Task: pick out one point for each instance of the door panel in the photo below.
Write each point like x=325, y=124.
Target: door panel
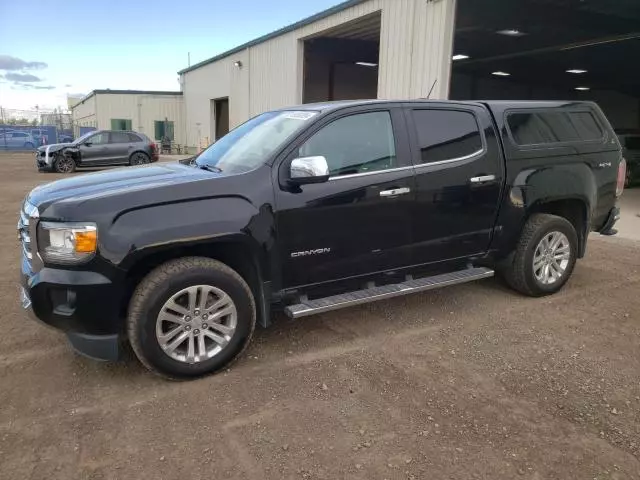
x=98, y=152
x=459, y=176
x=359, y=221
x=119, y=147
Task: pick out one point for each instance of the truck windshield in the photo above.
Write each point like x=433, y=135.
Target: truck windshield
x=248, y=146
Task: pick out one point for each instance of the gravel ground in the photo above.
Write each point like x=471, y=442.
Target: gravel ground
x=472, y=381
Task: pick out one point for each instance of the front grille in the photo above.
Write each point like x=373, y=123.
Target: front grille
x=26, y=230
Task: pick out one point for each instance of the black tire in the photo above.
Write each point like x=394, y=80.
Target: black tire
x=63, y=164
x=159, y=286
x=518, y=271
x=29, y=145
x=139, y=158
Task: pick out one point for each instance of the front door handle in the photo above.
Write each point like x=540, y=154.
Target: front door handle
x=395, y=192
x=482, y=179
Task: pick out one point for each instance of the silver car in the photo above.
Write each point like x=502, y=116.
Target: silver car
x=17, y=140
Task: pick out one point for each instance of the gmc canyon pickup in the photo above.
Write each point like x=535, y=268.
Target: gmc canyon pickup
x=314, y=208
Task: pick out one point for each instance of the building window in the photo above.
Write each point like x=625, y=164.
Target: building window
x=120, y=124
x=162, y=128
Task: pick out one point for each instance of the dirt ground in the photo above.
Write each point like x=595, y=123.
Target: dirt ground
x=472, y=381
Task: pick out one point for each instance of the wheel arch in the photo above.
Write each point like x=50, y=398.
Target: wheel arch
x=234, y=251
x=139, y=150
x=574, y=209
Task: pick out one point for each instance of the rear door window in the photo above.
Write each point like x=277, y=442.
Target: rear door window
x=119, y=137
x=446, y=134
x=134, y=138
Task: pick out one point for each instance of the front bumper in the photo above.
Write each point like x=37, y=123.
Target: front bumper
x=42, y=163
x=83, y=304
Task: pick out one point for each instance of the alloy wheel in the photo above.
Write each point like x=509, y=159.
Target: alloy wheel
x=64, y=164
x=551, y=258
x=196, y=323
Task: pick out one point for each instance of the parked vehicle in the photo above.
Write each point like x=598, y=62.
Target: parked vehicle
x=97, y=148
x=315, y=208
x=16, y=140
x=630, y=141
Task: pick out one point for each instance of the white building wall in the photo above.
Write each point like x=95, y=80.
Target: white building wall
x=84, y=115
x=142, y=110
x=213, y=81
x=416, y=43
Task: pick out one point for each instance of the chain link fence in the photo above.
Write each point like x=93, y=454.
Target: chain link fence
x=29, y=129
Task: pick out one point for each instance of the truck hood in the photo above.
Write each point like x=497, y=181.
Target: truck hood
x=100, y=186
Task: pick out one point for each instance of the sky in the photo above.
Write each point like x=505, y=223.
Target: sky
x=50, y=48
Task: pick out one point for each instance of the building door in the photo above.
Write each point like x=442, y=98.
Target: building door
x=221, y=115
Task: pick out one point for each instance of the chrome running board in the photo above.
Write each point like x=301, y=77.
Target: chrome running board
x=358, y=297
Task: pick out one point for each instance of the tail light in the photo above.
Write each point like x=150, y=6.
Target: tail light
x=622, y=177
x=154, y=148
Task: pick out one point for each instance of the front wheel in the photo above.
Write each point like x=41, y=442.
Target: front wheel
x=190, y=317
x=545, y=256
x=64, y=164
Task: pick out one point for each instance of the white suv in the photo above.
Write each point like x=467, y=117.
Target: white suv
x=17, y=140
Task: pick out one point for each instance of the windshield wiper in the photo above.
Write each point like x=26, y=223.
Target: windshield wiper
x=209, y=168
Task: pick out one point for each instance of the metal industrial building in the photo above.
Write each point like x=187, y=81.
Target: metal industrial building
x=409, y=39
x=460, y=49
x=148, y=112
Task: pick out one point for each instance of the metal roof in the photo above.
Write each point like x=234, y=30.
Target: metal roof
x=269, y=36
x=108, y=91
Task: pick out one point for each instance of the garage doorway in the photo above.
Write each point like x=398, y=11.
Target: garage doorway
x=221, y=117
x=342, y=63
x=550, y=50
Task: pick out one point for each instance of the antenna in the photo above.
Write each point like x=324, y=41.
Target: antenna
x=432, y=87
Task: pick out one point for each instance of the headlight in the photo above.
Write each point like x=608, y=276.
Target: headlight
x=67, y=243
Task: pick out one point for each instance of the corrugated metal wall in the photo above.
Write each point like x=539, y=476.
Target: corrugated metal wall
x=415, y=55
x=215, y=80
x=142, y=110
x=416, y=43
x=84, y=115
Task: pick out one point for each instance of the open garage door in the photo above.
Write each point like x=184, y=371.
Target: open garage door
x=551, y=49
x=342, y=63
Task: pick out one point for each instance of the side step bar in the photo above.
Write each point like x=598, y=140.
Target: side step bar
x=320, y=305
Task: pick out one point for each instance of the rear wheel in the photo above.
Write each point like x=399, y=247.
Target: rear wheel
x=545, y=256
x=139, y=158
x=190, y=317
x=63, y=164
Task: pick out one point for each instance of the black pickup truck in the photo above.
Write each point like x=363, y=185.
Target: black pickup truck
x=314, y=208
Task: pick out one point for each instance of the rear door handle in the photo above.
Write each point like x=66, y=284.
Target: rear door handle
x=482, y=179
x=395, y=192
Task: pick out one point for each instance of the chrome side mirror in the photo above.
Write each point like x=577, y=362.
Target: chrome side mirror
x=309, y=170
